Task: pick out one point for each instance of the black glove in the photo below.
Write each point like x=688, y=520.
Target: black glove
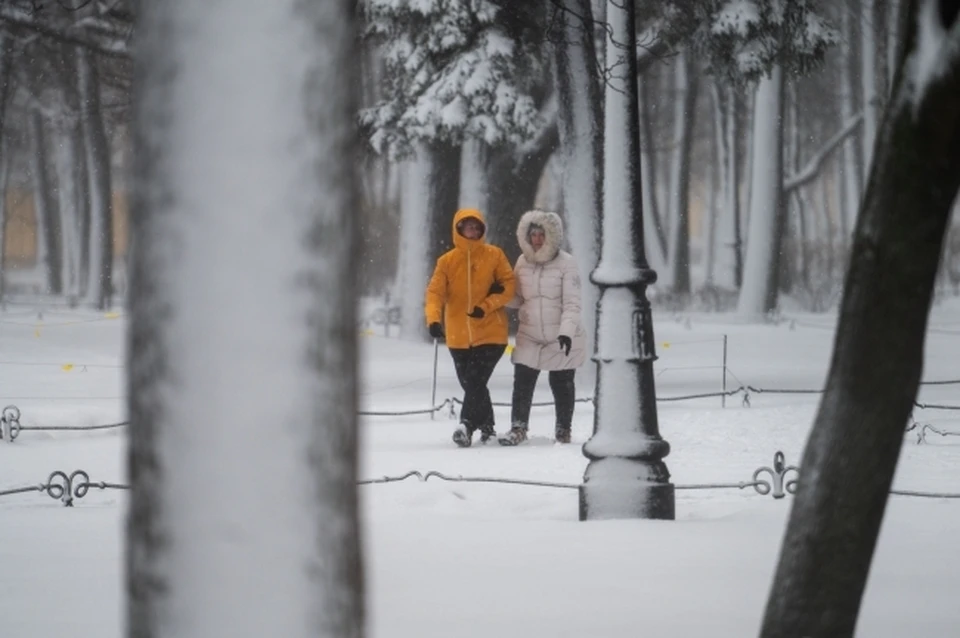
x=436, y=330
x=477, y=313
x=495, y=288
x=565, y=344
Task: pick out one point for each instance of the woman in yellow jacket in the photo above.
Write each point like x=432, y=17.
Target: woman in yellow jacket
x=469, y=288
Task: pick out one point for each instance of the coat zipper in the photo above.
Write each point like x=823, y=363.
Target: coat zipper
x=469, y=298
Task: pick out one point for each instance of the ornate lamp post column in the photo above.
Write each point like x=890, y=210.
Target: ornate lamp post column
x=626, y=476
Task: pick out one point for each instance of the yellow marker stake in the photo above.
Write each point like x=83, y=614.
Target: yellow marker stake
x=67, y=367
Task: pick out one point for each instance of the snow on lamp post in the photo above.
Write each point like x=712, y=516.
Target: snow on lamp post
x=626, y=476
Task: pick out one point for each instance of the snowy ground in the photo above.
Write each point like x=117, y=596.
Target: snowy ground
x=466, y=559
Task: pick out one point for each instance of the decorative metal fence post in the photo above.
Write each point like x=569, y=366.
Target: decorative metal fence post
x=723, y=384
x=626, y=476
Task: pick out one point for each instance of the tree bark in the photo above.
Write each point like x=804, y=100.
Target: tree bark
x=653, y=219
x=684, y=119
x=758, y=296
x=46, y=214
x=514, y=175
x=851, y=456
x=580, y=129
x=852, y=162
x=6, y=64
x=430, y=196
x=242, y=317
x=732, y=175
x=868, y=78
x=100, y=280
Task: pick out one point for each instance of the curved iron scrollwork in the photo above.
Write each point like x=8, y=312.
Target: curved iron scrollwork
x=10, y=423
x=777, y=486
x=67, y=488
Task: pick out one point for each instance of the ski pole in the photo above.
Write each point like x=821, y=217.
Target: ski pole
x=433, y=395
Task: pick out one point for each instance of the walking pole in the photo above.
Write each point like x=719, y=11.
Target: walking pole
x=433, y=395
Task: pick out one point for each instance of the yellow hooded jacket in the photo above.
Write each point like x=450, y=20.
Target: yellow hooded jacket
x=461, y=280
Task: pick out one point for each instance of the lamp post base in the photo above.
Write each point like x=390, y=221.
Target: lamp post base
x=604, y=500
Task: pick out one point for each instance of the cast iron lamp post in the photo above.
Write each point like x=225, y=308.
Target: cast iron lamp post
x=626, y=476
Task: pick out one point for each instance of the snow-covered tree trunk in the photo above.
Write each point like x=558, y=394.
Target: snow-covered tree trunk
x=4, y=180
x=100, y=279
x=758, y=296
x=242, y=361
x=65, y=156
x=851, y=455
x=716, y=191
x=797, y=203
x=46, y=215
x=829, y=231
x=474, y=175
x=413, y=269
x=868, y=79
x=579, y=122
x=428, y=201
x=852, y=157
x=654, y=227
x=893, y=44
x=685, y=113
x=732, y=178
x=514, y=175
x=6, y=65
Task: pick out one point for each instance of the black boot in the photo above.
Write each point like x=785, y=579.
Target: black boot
x=487, y=432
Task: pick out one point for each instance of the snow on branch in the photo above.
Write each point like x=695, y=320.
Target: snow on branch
x=937, y=49
x=809, y=172
x=98, y=33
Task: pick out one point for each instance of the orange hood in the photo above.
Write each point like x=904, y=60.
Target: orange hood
x=459, y=240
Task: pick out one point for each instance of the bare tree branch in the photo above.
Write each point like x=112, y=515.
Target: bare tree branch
x=812, y=169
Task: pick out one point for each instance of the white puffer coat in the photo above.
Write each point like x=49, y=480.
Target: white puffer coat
x=548, y=297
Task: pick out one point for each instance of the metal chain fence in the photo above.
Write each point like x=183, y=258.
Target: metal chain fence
x=11, y=427
x=776, y=481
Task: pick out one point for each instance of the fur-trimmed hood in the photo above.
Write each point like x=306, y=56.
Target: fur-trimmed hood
x=552, y=229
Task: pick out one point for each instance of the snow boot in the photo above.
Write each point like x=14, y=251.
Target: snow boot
x=562, y=434
x=487, y=432
x=515, y=436
x=463, y=435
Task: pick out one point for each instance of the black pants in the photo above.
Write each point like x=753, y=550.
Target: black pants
x=525, y=381
x=474, y=367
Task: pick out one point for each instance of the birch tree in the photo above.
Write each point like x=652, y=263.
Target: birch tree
x=851, y=456
x=242, y=340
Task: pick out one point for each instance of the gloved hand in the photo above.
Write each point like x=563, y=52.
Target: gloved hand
x=495, y=288
x=436, y=330
x=565, y=344
x=477, y=313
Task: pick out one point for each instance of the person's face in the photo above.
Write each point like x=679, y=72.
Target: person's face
x=537, y=238
x=471, y=228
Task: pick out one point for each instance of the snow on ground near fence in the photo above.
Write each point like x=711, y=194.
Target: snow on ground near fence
x=465, y=559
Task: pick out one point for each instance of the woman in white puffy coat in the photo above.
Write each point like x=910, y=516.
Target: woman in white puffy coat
x=551, y=336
